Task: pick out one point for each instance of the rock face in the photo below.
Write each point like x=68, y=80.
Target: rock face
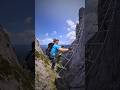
x=91, y=18
x=103, y=49
x=37, y=46
x=44, y=76
x=74, y=76
x=6, y=50
x=12, y=76
x=30, y=60
x=77, y=64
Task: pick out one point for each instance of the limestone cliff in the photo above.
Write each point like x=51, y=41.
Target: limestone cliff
x=37, y=46
x=103, y=49
x=44, y=76
x=12, y=75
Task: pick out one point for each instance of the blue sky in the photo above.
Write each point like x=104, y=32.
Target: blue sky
x=18, y=18
x=56, y=19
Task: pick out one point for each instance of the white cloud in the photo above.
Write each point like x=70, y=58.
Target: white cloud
x=54, y=32
x=71, y=25
x=45, y=41
x=71, y=35
x=61, y=36
x=68, y=29
x=46, y=34
x=62, y=42
x=77, y=22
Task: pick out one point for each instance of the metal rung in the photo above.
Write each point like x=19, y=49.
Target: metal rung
x=102, y=31
x=91, y=44
x=77, y=87
x=89, y=61
x=94, y=43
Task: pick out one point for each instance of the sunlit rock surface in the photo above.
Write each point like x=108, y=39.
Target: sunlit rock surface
x=37, y=46
x=44, y=76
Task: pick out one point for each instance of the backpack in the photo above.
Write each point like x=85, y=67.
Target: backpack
x=50, y=45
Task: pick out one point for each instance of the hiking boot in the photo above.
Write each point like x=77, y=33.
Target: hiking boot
x=58, y=76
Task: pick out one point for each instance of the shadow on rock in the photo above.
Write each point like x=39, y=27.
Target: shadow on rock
x=60, y=84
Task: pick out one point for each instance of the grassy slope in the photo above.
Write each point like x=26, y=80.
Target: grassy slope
x=52, y=75
x=10, y=71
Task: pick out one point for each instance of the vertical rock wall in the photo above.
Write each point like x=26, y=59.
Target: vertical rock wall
x=12, y=75
x=103, y=49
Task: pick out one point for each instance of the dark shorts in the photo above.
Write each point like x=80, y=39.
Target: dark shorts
x=53, y=60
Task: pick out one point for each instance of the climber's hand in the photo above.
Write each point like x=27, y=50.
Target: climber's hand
x=70, y=49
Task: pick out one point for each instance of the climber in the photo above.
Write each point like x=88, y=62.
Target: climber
x=59, y=55
x=54, y=52
x=59, y=59
x=50, y=45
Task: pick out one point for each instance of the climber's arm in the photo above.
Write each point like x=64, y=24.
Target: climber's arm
x=63, y=49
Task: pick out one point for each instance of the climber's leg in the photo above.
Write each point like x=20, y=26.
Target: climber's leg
x=53, y=63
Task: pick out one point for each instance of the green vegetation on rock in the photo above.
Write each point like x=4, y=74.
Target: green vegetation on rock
x=47, y=77
x=42, y=57
x=10, y=71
